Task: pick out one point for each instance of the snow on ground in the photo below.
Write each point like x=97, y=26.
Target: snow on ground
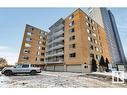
x=55, y=79
x=109, y=74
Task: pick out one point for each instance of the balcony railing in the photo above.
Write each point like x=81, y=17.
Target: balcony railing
x=56, y=40
x=55, y=61
x=58, y=33
x=55, y=47
x=55, y=54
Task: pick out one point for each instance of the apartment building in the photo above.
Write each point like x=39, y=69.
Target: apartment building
x=105, y=19
x=33, y=46
x=55, y=44
x=70, y=45
x=82, y=38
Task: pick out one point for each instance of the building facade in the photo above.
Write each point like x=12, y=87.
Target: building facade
x=82, y=40
x=33, y=46
x=55, y=43
x=70, y=45
x=105, y=19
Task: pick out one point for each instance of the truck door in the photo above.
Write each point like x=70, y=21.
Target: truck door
x=25, y=68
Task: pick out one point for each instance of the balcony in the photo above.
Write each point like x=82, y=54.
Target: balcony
x=55, y=34
x=58, y=33
x=54, y=61
x=56, y=40
x=55, y=47
x=58, y=53
x=55, y=54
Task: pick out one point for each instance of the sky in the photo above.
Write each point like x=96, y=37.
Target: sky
x=13, y=21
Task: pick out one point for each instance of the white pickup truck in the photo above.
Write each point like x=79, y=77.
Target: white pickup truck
x=21, y=69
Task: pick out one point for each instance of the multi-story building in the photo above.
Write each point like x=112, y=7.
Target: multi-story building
x=33, y=46
x=105, y=19
x=55, y=43
x=70, y=45
x=82, y=39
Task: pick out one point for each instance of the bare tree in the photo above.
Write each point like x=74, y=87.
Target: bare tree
x=3, y=62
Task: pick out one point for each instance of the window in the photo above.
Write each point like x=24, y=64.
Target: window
x=28, y=39
x=27, y=45
x=96, y=49
x=92, y=21
x=26, y=51
x=44, y=38
x=39, y=47
x=29, y=34
x=88, y=31
x=94, y=34
x=43, y=43
x=41, y=59
x=90, y=39
x=41, y=32
x=97, y=57
x=93, y=27
x=25, y=66
x=37, y=59
x=32, y=29
x=92, y=56
x=40, y=37
x=88, y=24
x=71, y=24
x=38, y=53
x=72, y=16
x=72, y=55
x=95, y=41
x=87, y=18
x=72, y=46
x=91, y=46
x=43, y=48
x=72, y=38
x=26, y=57
x=40, y=42
x=45, y=33
x=72, y=30
x=42, y=54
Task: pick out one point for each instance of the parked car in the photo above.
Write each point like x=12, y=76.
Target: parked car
x=21, y=69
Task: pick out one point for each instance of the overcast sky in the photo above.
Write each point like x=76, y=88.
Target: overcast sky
x=13, y=21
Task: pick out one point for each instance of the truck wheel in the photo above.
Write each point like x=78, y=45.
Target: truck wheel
x=33, y=72
x=8, y=73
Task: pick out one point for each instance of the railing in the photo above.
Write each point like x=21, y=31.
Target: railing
x=55, y=54
x=57, y=33
x=55, y=47
x=56, y=40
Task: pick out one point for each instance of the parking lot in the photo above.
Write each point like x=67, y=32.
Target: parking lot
x=55, y=79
